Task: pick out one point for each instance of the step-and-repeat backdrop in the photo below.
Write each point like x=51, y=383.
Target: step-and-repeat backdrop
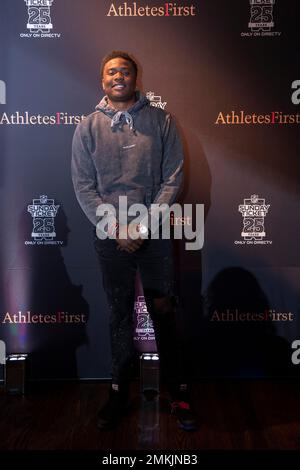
x=229, y=73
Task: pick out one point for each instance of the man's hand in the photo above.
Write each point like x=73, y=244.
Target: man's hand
x=128, y=238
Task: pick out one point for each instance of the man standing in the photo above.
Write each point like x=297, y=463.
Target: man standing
x=129, y=148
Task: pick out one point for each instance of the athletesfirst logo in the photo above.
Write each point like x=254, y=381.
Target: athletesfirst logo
x=254, y=211
x=28, y=318
x=243, y=118
x=261, y=21
x=144, y=328
x=27, y=119
x=236, y=315
x=43, y=212
x=165, y=9
x=39, y=22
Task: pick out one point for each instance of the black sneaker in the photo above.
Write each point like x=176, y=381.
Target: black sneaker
x=114, y=409
x=186, y=417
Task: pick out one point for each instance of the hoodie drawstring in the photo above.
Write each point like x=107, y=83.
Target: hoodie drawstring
x=117, y=119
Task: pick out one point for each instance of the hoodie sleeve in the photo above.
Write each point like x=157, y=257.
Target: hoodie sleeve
x=171, y=170
x=84, y=176
x=172, y=164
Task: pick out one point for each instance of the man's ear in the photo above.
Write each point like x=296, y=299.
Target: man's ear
x=102, y=84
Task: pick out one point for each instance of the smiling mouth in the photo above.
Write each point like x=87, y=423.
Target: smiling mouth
x=119, y=87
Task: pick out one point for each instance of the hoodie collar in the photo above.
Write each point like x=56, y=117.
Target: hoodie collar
x=117, y=116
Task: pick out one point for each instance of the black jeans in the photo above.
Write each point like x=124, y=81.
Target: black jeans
x=155, y=263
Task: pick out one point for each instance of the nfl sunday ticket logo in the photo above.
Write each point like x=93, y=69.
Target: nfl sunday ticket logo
x=261, y=21
x=155, y=100
x=144, y=328
x=39, y=22
x=254, y=211
x=43, y=212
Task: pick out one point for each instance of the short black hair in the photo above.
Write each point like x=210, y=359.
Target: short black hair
x=114, y=55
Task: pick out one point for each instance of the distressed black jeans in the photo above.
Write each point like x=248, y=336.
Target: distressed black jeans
x=155, y=263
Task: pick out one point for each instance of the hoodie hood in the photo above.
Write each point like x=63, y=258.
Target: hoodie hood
x=118, y=118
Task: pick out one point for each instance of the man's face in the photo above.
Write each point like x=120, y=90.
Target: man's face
x=119, y=80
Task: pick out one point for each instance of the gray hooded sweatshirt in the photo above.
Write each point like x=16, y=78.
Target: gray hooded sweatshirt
x=135, y=153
